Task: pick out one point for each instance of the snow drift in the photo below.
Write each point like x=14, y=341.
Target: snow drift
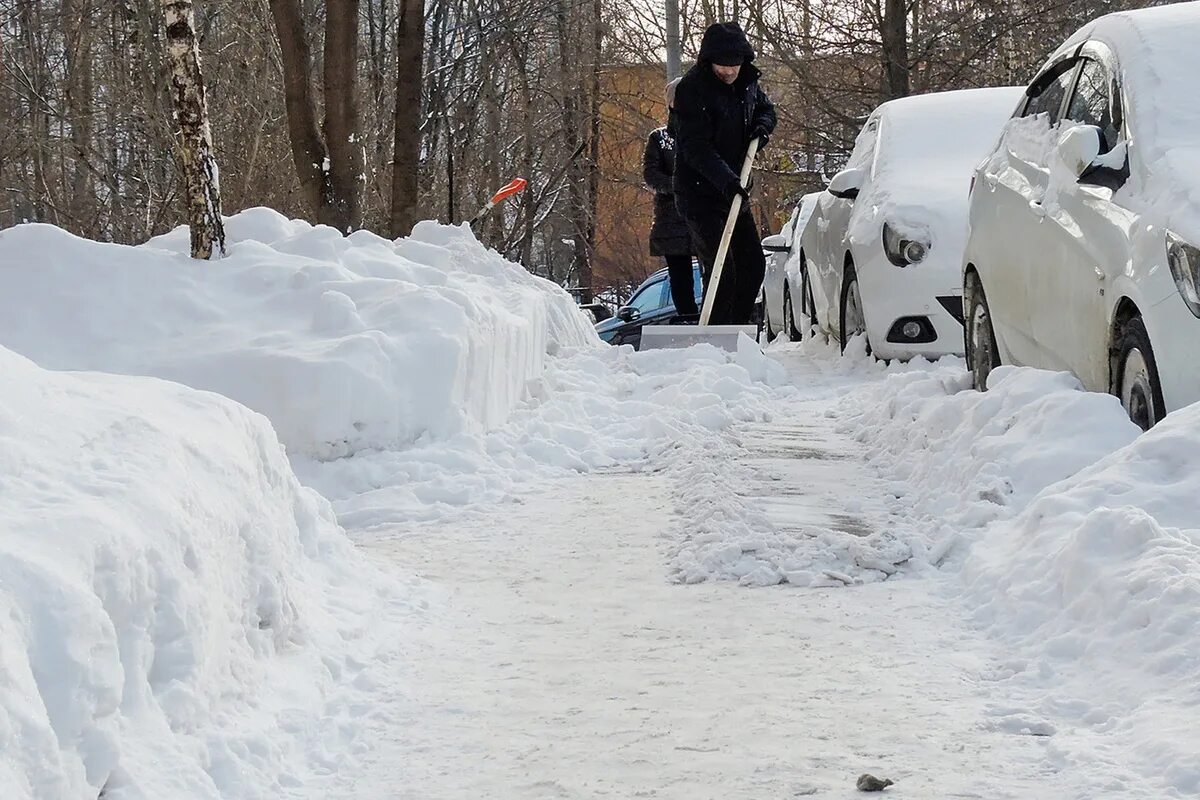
x=1099, y=582
x=968, y=458
x=174, y=606
x=1084, y=556
x=345, y=343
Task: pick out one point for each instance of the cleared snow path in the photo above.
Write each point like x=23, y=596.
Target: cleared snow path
x=559, y=661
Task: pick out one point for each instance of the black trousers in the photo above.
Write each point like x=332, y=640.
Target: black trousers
x=683, y=284
x=745, y=265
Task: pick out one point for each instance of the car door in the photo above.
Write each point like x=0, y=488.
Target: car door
x=1010, y=224
x=1086, y=233
x=651, y=303
x=834, y=226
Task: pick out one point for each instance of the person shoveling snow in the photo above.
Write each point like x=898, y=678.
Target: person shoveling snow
x=723, y=117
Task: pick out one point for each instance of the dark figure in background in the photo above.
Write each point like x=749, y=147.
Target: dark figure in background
x=669, y=237
x=719, y=110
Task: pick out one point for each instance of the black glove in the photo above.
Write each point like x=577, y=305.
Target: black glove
x=736, y=188
x=760, y=133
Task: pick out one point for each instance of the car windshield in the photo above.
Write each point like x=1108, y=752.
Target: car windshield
x=650, y=298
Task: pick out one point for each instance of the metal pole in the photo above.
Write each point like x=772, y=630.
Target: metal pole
x=674, y=43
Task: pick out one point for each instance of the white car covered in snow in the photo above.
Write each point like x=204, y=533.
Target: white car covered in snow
x=1085, y=221
x=786, y=295
x=884, y=248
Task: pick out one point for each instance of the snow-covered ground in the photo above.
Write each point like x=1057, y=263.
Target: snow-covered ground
x=580, y=571
x=971, y=626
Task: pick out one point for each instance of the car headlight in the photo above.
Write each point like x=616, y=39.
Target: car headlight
x=903, y=251
x=1184, y=260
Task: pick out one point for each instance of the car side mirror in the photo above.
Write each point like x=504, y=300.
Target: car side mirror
x=775, y=243
x=627, y=313
x=847, y=183
x=1079, y=147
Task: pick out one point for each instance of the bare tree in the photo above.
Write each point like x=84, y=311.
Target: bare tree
x=329, y=166
x=406, y=160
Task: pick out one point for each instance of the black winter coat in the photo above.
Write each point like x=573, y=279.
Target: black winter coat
x=713, y=124
x=669, y=236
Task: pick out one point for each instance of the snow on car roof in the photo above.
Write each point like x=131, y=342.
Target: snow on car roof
x=929, y=145
x=929, y=139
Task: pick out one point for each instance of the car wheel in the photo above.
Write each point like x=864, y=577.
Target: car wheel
x=1137, y=381
x=770, y=329
x=789, y=315
x=853, y=319
x=808, y=311
x=983, y=355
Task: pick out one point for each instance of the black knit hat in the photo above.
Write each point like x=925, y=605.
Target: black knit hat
x=724, y=43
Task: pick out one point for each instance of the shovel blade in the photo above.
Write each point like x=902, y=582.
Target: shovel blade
x=724, y=337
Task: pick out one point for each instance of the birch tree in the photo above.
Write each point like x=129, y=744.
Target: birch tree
x=193, y=136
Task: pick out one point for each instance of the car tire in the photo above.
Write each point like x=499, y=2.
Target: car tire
x=808, y=310
x=852, y=304
x=789, y=315
x=766, y=314
x=983, y=355
x=1137, y=384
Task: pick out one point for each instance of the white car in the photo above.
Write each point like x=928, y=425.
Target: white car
x=1084, y=222
x=784, y=285
x=884, y=247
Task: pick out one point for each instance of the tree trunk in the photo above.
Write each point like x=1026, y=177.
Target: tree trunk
x=406, y=159
x=573, y=136
x=193, y=137
x=79, y=85
x=674, y=43
x=894, y=32
x=343, y=140
x=587, y=263
x=308, y=150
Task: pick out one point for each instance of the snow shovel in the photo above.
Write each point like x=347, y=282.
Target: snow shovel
x=725, y=337
x=506, y=191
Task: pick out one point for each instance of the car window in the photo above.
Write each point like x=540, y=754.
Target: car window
x=1091, y=103
x=864, y=145
x=651, y=298
x=1050, y=89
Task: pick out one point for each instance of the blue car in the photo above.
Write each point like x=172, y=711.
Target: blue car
x=651, y=304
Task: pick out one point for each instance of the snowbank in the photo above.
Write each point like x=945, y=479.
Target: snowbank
x=1098, y=581
x=967, y=458
x=177, y=611
x=344, y=343
x=1084, y=557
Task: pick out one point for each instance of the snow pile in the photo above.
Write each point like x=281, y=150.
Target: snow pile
x=593, y=409
x=345, y=343
x=1084, y=557
x=1099, y=582
x=178, y=613
x=967, y=458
